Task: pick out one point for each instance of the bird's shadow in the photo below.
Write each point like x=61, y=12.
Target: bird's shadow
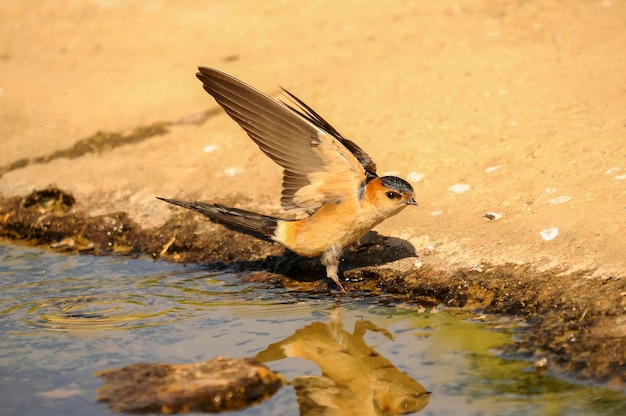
x=373, y=250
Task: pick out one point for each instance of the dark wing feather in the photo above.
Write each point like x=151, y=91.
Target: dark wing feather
x=307, y=112
x=319, y=165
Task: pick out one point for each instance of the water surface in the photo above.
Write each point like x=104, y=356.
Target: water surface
x=62, y=318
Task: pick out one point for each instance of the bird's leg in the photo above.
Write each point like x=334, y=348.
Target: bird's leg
x=330, y=259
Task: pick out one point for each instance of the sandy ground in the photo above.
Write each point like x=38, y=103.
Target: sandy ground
x=522, y=103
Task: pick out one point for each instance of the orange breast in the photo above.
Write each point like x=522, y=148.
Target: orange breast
x=342, y=223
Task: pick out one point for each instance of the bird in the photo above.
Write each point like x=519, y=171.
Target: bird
x=329, y=180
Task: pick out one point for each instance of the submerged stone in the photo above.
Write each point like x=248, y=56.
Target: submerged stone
x=217, y=385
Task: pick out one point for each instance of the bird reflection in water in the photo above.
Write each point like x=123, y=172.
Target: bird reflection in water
x=355, y=380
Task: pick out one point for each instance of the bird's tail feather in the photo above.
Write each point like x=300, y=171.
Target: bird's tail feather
x=251, y=221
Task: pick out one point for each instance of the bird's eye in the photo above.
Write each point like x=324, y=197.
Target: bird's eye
x=392, y=195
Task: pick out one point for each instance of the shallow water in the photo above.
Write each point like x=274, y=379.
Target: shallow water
x=62, y=318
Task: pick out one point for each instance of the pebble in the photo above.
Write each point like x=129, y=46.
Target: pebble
x=460, y=188
x=415, y=176
x=549, y=233
x=559, y=200
x=232, y=171
x=493, y=216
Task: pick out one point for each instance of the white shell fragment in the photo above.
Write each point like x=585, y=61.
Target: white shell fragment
x=415, y=177
x=493, y=216
x=232, y=171
x=492, y=169
x=549, y=233
x=460, y=188
x=210, y=148
x=559, y=200
x=613, y=170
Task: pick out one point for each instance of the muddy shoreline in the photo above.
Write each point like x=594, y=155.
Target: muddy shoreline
x=578, y=328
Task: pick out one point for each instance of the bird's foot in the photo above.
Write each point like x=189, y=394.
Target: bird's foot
x=339, y=285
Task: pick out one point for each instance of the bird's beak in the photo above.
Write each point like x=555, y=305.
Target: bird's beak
x=411, y=201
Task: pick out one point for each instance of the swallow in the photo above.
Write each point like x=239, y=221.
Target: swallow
x=327, y=178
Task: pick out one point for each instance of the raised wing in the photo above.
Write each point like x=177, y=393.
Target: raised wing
x=307, y=112
x=319, y=164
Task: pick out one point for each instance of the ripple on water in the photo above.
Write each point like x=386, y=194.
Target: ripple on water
x=96, y=313
x=80, y=305
x=42, y=293
x=85, y=294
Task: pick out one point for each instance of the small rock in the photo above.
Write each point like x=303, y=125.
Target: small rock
x=415, y=177
x=561, y=199
x=217, y=385
x=460, y=188
x=541, y=365
x=549, y=233
x=493, y=216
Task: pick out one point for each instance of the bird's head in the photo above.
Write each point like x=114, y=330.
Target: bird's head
x=390, y=194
